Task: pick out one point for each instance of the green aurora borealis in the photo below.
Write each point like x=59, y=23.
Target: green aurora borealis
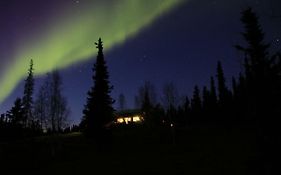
x=69, y=37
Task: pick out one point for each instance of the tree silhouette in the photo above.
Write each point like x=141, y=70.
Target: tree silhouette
x=170, y=96
x=260, y=91
x=137, y=102
x=42, y=107
x=27, y=99
x=14, y=120
x=98, y=112
x=196, y=105
x=186, y=105
x=213, y=93
x=146, y=105
x=15, y=115
x=213, y=104
x=58, y=104
x=257, y=65
x=148, y=88
x=224, y=97
x=51, y=110
x=206, y=104
x=186, y=111
x=257, y=49
x=222, y=89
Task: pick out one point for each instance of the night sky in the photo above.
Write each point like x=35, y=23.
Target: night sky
x=159, y=41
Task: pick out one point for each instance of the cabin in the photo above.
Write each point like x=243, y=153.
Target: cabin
x=129, y=117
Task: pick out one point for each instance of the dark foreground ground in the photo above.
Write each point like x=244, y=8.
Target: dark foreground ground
x=135, y=151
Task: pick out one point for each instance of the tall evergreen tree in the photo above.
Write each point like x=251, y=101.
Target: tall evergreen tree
x=13, y=124
x=257, y=65
x=196, y=104
x=186, y=110
x=258, y=75
x=213, y=93
x=257, y=49
x=222, y=89
x=98, y=111
x=262, y=90
x=207, y=105
x=206, y=99
x=234, y=87
x=146, y=102
x=27, y=99
x=213, y=98
x=186, y=105
x=147, y=107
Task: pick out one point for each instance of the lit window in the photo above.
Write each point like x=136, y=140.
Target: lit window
x=136, y=119
x=120, y=120
x=127, y=120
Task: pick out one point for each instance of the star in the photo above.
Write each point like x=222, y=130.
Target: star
x=277, y=41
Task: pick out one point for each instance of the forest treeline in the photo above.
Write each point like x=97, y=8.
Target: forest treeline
x=48, y=113
x=253, y=100
x=251, y=103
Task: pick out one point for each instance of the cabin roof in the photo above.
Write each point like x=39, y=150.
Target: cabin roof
x=128, y=112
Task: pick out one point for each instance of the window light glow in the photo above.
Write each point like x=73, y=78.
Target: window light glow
x=127, y=120
x=120, y=120
x=136, y=119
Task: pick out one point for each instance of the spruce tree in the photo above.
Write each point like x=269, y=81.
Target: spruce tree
x=256, y=65
x=223, y=92
x=196, y=102
x=206, y=99
x=213, y=97
x=186, y=105
x=15, y=115
x=206, y=104
x=186, y=110
x=98, y=112
x=258, y=84
x=234, y=87
x=213, y=93
x=146, y=103
x=14, y=120
x=147, y=107
x=262, y=90
x=256, y=49
x=27, y=99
